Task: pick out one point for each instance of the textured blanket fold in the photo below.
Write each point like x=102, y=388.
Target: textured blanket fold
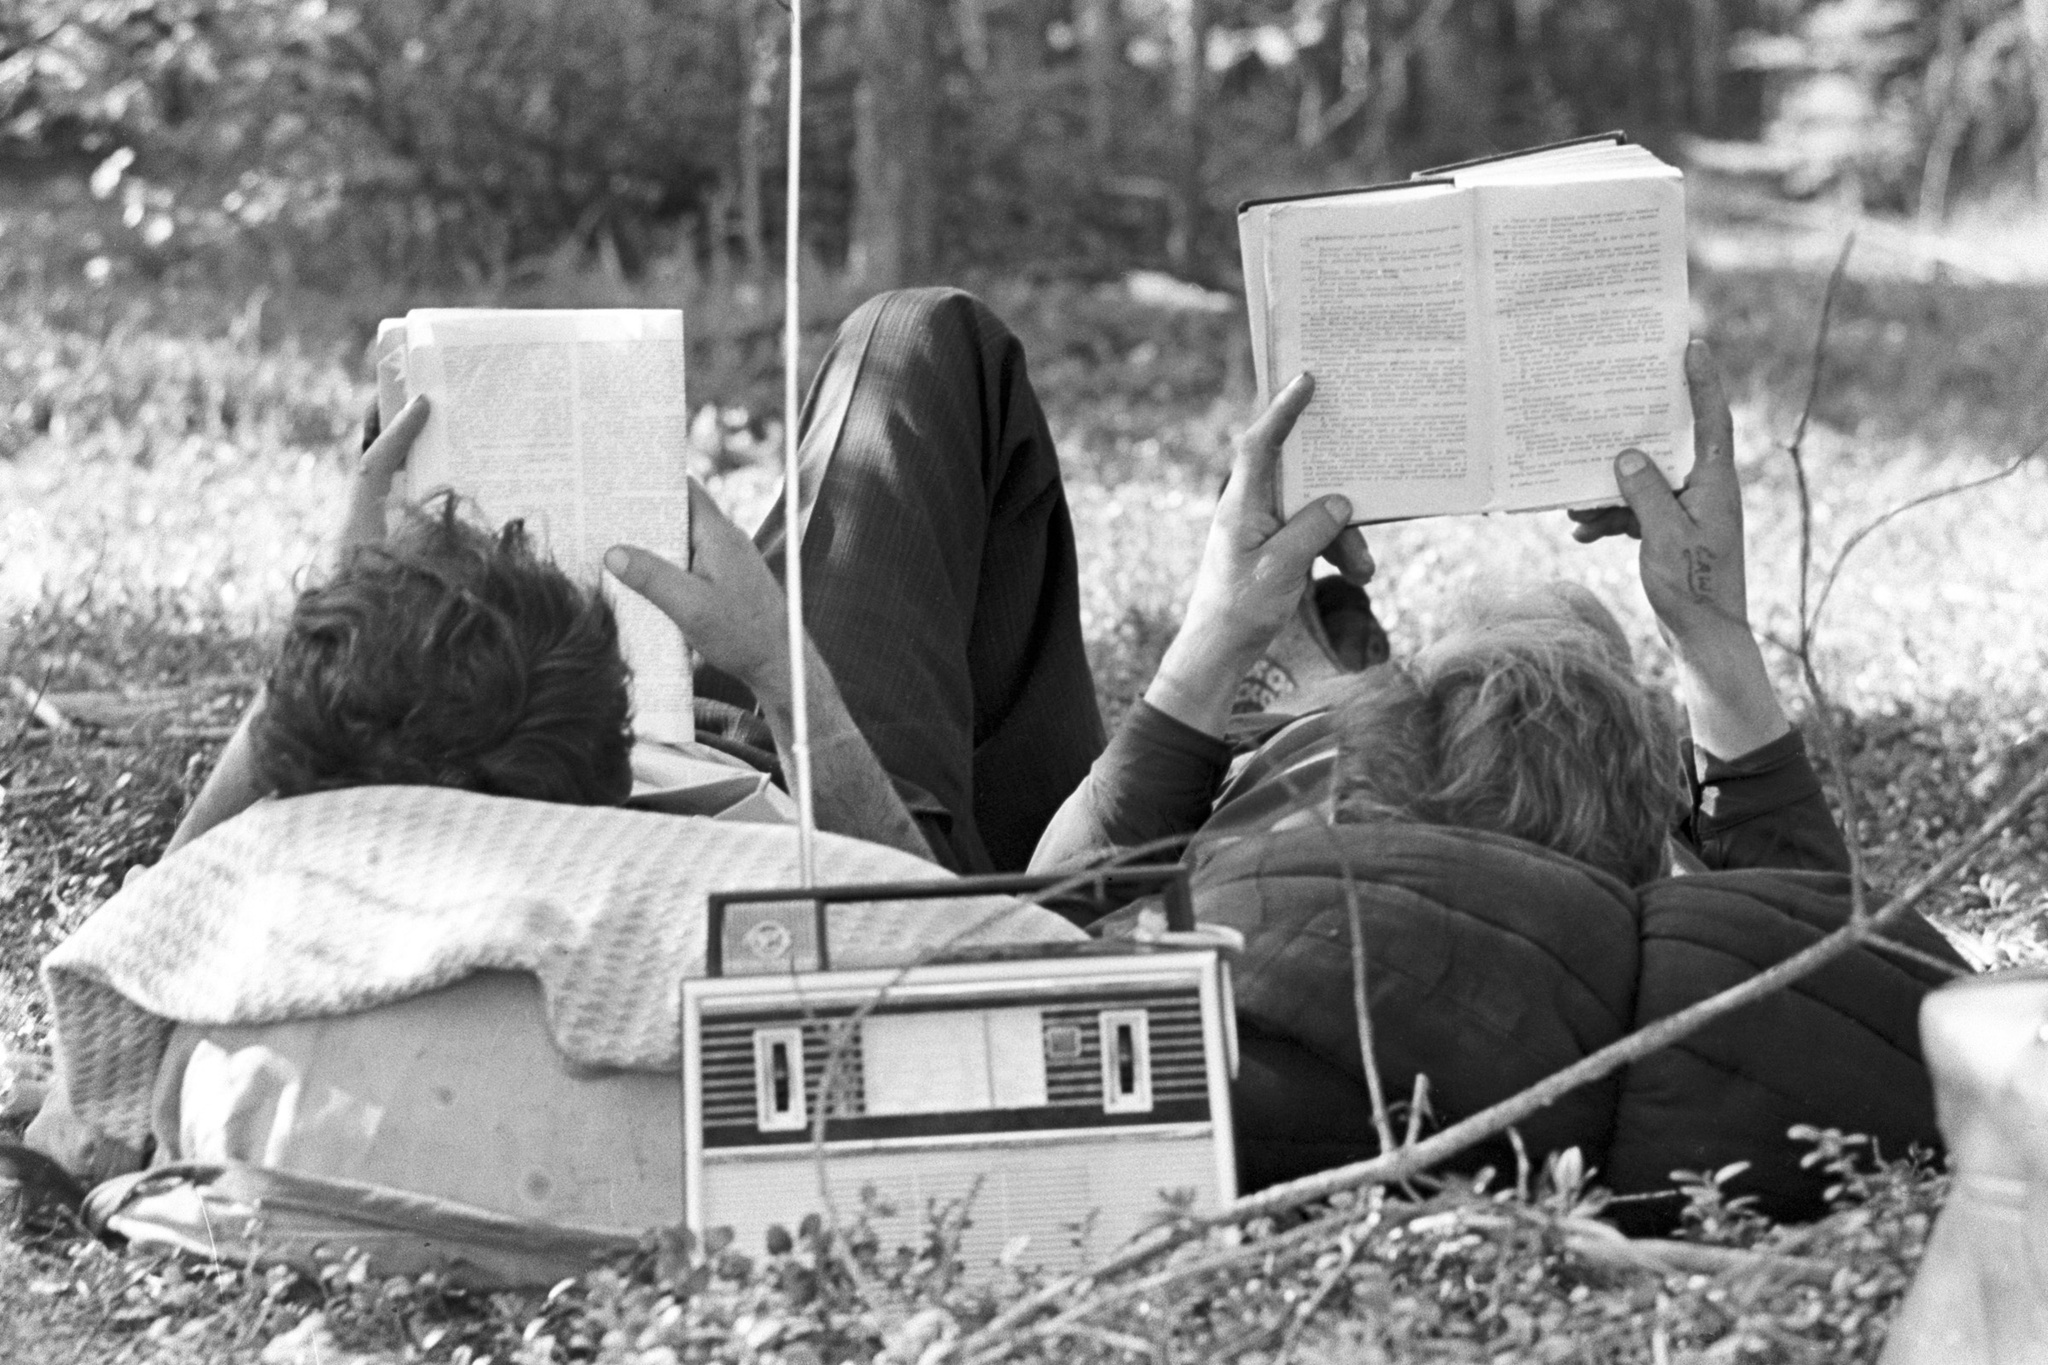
x=338, y=902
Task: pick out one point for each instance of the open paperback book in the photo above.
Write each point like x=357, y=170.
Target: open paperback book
x=573, y=419
x=1485, y=337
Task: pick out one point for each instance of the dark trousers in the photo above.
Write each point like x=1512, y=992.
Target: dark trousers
x=939, y=576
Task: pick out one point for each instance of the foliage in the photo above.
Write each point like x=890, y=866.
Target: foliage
x=1897, y=102
x=402, y=138
x=476, y=140
x=1463, y=1272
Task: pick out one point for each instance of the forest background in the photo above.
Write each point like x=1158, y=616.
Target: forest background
x=205, y=206
x=326, y=142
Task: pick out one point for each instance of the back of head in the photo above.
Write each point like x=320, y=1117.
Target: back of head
x=1525, y=720
x=450, y=656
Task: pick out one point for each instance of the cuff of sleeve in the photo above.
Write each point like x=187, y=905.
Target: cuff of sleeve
x=1146, y=724
x=1727, y=791
x=1157, y=778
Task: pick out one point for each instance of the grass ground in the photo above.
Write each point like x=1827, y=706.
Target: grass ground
x=171, y=461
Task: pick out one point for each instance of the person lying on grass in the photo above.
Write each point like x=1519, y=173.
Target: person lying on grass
x=952, y=708
x=1525, y=719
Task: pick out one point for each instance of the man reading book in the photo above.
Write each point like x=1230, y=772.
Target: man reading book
x=953, y=711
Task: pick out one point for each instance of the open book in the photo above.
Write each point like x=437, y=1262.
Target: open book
x=1485, y=337
x=574, y=420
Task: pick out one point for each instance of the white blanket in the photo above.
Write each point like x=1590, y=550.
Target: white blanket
x=328, y=904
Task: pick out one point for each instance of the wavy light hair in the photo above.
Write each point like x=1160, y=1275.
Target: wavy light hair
x=1526, y=719
x=450, y=656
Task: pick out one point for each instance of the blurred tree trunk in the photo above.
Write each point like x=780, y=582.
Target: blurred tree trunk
x=1188, y=39
x=1101, y=34
x=1339, y=79
x=971, y=17
x=1708, y=41
x=2036, y=12
x=759, y=40
x=895, y=145
x=1942, y=87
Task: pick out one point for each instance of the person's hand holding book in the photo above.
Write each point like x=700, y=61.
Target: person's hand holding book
x=384, y=454
x=1254, y=568
x=732, y=611
x=1692, y=566
x=726, y=603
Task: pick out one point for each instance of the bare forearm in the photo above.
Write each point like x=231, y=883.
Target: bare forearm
x=1729, y=700
x=851, y=792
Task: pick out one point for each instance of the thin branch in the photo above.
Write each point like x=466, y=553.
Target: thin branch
x=1122, y=1341
x=1489, y=1122
x=1418, y=1108
x=1522, y=1191
x=1607, y=1247
x=39, y=709
x=1830, y=731
x=1361, y=1005
x=37, y=700
x=1891, y=947
x=1844, y=781
x=1279, y=1245
x=1347, y=1252
x=1797, y=448
x=1968, y=485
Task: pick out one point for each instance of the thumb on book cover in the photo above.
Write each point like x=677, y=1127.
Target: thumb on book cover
x=1644, y=489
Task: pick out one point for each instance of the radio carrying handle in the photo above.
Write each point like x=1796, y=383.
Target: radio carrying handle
x=1169, y=880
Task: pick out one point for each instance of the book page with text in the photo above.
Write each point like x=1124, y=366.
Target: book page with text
x=1380, y=307
x=1585, y=284
x=575, y=421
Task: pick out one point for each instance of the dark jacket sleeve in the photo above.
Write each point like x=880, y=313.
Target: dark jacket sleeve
x=1157, y=779
x=1764, y=809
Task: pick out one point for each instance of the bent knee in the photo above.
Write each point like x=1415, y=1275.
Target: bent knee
x=940, y=319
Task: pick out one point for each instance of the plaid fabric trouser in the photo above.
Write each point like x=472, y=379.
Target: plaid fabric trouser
x=939, y=576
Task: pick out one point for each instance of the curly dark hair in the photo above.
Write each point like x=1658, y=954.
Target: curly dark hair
x=450, y=656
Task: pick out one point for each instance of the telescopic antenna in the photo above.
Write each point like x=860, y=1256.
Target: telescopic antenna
x=792, y=510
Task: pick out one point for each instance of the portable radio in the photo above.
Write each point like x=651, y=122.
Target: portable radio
x=1072, y=1096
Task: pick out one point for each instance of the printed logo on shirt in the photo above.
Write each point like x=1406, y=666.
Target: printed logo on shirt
x=1258, y=690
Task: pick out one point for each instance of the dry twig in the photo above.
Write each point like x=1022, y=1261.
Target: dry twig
x=1361, y=1006
x=1830, y=733
x=1413, y=1160
x=1348, y=1244
x=1418, y=1109
x=1863, y=533
x=1273, y=1248
x=39, y=711
x=1606, y=1248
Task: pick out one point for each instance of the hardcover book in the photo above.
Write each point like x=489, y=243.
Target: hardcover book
x=1484, y=337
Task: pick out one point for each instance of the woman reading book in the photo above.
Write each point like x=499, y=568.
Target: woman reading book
x=1526, y=721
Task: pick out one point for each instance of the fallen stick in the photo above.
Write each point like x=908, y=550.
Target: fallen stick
x=39, y=706
x=1413, y=1160
x=1608, y=1249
